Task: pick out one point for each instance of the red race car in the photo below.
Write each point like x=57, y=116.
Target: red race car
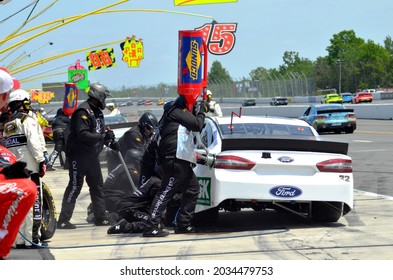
x=362, y=97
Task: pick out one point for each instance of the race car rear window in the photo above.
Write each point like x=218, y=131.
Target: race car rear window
x=265, y=129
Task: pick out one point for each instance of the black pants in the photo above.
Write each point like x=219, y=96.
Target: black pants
x=81, y=166
x=59, y=140
x=178, y=176
x=37, y=209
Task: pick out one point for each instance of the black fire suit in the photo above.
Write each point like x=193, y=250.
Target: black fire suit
x=85, y=142
x=177, y=174
x=60, y=128
x=134, y=138
x=117, y=185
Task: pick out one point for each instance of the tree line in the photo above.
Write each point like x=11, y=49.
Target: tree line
x=352, y=64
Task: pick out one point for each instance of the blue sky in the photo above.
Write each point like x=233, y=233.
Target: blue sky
x=266, y=29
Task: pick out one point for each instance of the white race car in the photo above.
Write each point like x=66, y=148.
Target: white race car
x=272, y=163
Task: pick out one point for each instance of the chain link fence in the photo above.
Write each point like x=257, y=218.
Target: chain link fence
x=295, y=86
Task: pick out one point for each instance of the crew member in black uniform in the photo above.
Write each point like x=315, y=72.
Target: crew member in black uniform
x=117, y=185
x=87, y=137
x=60, y=128
x=177, y=159
x=137, y=137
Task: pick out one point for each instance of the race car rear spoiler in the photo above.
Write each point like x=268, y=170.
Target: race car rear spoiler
x=232, y=142
x=335, y=111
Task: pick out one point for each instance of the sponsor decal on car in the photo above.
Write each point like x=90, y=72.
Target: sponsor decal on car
x=285, y=191
x=285, y=159
x=204, y=197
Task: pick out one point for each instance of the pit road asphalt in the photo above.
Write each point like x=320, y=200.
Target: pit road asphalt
x=363, y=234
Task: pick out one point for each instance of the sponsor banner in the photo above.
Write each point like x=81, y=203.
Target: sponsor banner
x=40, y=96
x=219, y=37
x=100, y=59
x=79, y=77
x=204, y=197
x=133, y=51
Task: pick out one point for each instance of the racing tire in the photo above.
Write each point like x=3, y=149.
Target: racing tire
x=349, y=130
x=326, y=211
x=49, y=215
x=206, y=217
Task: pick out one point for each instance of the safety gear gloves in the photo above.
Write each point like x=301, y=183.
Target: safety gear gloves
x=42, y=169
x=16, y=170
x=114, y=145
x=204, y=107
x=46, y=156
x=109, y=137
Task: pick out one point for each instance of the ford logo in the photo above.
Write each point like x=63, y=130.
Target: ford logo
x=285, y=159
x=285, y=191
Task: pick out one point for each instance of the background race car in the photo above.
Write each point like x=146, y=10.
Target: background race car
x=279, y=100
x=330, y=118
x=361, y=97
x=331, y=98
x=346, y=97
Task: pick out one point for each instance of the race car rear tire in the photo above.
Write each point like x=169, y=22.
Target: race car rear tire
x=349, y=130
x=49, y=215
x=205, y=218
x=325, y=212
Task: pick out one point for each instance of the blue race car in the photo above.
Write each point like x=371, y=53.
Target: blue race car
x=330, y=118
x=347, y=97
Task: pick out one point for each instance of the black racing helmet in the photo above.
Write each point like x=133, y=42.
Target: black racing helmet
x=133, y=156
x=149, y=121
x=99, y=92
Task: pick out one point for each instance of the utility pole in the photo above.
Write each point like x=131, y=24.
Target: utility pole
x=339, y=79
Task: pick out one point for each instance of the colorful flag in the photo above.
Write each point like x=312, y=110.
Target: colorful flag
x=133, y=51
x=100, y=59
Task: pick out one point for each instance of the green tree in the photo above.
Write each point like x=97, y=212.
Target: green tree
x=343, y=46
x=388, y=42
x=294, y=63
x=355, y=63
x=258, y=74
x=218, y=74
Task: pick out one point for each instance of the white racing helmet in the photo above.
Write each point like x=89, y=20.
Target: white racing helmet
x=17, y=98
x=209, y=95
x=19, y=95
x=110, y=105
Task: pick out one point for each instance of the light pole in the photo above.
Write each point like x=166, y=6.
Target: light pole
x=339, y=79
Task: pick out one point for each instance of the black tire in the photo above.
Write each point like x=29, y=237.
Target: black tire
x=49, y=215
x=326, y=212
x=207, y=217
x=349, y=130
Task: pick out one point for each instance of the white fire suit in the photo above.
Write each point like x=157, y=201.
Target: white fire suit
x=23, y=137
x=215, y=109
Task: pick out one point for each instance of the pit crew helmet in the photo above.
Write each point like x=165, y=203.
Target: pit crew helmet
x=209, y=95
x=99, y=92
x=110, y=106
x=149, y=122
x=19, y=97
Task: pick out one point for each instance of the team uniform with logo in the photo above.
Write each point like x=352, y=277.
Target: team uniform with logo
x=23, y=137
x=177, y=158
